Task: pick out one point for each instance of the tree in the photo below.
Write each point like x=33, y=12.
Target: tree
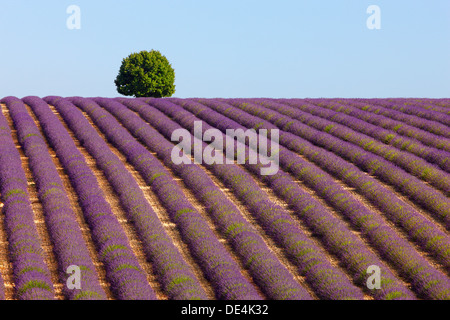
x=146, y=74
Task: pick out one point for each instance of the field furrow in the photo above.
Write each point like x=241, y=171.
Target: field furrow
x=224, y=199
x=429, y=126
x=39, y=219
x=386, y=172
x=71, y=239
x=168, y=264
x=414, y=104
x=274, y=218
x=164, y=124
x=400, y=152
x=413, y=111
x=217, y=264
x=112, y=198
x=271, y=244
x=75, y=203
x=400, y=130
x=354, y=177
x=363, y=218
x=230, y=221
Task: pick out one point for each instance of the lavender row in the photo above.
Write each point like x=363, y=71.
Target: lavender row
x=411, y=220
x=177, y=279
x=433, y=127
x=327, y=282
x=335, y=235
x=433, y=200
x=127, y=279
x=31, y=274
x=217, y=264
x=411, y=108
x=386, y=155
x=385, y=108
x=442, y=102
x=399, y=129
x=64, y=230
x=395, y=249
x=270, y=275
x=386, y=137
x=431, y=283
x=433, y=105
x=427, y=104
x=411, y=163
x=434, y=134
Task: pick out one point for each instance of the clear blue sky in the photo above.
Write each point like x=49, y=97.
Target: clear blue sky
x=246, y=48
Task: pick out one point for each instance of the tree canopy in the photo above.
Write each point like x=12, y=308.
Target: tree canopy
x=146, y=74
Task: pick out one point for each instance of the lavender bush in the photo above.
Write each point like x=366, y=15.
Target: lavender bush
x=168, y=262
x=216, y=262
x=394, y=248
x=31, y=275
x=128, y=280
x=65, y=233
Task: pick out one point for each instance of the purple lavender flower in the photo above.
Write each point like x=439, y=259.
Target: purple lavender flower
x=63, y=228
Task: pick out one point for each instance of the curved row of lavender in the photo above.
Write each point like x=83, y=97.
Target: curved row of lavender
x=429, y=106
x=217, y=264
x=31, y=274
x=411, y=109
x=433, y=127
x=401, y=152
x=338, y=238
x=431, y=283
x=363, y=111
x=271, y=276
x=65, y=233
x=420, y=228
x=441, y=102
x=404, y=105
x=432, y=150
x=312, y=177
x=390, y=156
x=433, y=200
x=126, y=278
x=169, y=265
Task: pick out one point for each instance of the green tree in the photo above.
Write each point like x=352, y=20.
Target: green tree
x=146, y=74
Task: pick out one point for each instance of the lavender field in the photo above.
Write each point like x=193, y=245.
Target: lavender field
x=362, y=185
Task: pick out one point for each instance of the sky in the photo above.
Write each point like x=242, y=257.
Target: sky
x=230, y=49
